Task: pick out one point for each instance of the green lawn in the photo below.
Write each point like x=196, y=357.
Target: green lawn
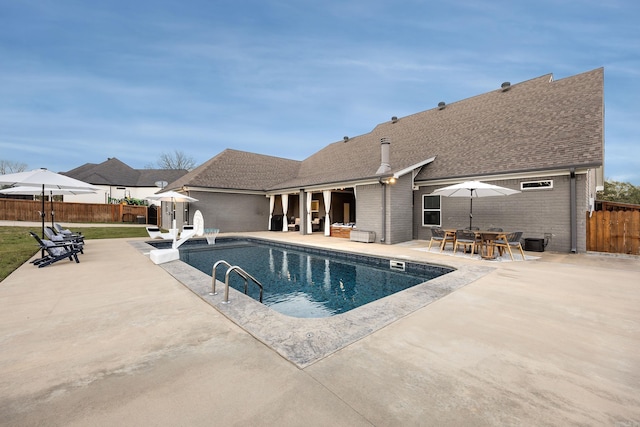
x=17, y=246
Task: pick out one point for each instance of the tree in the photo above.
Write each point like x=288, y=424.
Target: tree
x=175, y=160
x=8, y=166
x=620, y=192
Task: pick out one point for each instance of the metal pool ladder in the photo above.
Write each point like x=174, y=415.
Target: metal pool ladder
x=240, y=272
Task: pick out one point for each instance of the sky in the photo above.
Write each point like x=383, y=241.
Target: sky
x=84, y=81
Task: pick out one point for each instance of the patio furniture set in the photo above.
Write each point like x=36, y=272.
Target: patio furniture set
x=487, y=243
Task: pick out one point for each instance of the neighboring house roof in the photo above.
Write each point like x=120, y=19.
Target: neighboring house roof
x=536, y=125
x=115, y=172
x=239, y=170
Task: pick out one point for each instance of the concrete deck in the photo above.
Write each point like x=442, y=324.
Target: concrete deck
x=117, y=340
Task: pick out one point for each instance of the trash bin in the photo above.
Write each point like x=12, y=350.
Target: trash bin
x=276, y=222
x=534, y=245
x=141, y=219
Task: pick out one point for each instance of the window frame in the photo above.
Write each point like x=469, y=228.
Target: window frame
x=539, y=187
x=438, y=210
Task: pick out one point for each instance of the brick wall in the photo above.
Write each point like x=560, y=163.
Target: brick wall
x=538, y=213
x=368, y=209
x=232, y=212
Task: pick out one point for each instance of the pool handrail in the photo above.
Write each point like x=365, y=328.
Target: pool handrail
x=245, y=276
x=213, y=275
x=242, y=273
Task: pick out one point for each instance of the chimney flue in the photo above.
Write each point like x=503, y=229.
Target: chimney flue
x=385, y=166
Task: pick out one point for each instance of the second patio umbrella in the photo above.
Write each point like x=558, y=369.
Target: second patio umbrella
x=173, y=197
x=473, y=189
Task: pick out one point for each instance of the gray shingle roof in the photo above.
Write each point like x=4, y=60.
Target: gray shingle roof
x=239, y=170
x=539, y=124
x=115, y=172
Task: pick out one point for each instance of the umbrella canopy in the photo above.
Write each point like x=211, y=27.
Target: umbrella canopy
x=173, y=197
x=473, y=189
x=45, y=180
x=35, y=191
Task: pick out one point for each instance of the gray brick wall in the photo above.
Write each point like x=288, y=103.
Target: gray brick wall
x=368, y=209
x=400, y=211
x=232, y=212
x=538, y=213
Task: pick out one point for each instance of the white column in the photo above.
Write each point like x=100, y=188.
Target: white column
x=309, y=197
x=272, y=202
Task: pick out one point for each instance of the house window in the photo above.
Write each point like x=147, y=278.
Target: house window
x=431, y=211
x=537, y=185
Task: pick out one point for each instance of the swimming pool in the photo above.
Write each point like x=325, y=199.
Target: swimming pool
x=309, y=282
x=304, y=341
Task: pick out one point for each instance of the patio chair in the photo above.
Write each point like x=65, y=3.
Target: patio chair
x=66, y=238
x=467, y=239
x=440, y=236
x=513, y=241
x=55, y=251
x=66, y=232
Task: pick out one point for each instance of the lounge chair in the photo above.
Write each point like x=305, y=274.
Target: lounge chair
x=155, y=233
x=55, y=251
x=440, y=236
x=188, y=231
x=466, y=238
x=65, y=238
x=513, y=241
x=66, y=232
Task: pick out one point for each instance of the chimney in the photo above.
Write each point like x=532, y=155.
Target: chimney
x=385, y=167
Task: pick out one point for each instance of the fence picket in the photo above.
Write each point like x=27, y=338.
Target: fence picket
x=28, y=210
x=614, y=232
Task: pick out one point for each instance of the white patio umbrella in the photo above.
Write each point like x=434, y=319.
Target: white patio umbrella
x=44, y=179
x=35, y=191
x=473, y=189
x=173, y=197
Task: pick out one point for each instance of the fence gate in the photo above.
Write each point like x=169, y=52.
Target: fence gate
x=614, y=232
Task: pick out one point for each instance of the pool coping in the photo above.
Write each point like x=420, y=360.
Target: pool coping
x=304, y=341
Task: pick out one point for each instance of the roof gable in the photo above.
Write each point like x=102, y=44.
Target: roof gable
x=239, y=170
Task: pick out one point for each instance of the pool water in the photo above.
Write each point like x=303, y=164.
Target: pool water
x=305, y=282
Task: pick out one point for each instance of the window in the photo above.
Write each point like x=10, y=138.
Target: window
x=537, y=185
x=431, y=210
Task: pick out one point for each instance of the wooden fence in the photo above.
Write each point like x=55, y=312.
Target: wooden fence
x=614, y=232
x=29, y=210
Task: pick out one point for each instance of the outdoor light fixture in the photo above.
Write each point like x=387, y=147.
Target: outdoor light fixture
x=387, y=181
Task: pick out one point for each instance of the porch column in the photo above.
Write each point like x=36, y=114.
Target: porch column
x=272, y=202
x=309, y=227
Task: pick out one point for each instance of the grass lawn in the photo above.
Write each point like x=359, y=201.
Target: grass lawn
x=17, y=246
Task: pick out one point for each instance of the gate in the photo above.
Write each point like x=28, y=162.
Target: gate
x=614, y=232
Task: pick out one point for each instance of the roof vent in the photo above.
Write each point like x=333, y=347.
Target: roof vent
x=441, y=105
x=394, y=119
x=345, y=138
x=505, y=86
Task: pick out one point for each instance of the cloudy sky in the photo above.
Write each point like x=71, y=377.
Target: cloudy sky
x=82, y=81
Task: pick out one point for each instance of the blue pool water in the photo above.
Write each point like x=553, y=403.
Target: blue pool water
x=308, y=282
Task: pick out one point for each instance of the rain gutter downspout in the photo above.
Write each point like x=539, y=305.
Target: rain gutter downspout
x=384, y=211
x=572, y=212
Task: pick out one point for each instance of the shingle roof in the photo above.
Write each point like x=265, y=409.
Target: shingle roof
x=539, y=124
x=115, y=172
x=535, y=125
x=239, y=170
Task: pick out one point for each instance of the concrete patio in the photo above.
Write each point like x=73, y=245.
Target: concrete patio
x=117, y=340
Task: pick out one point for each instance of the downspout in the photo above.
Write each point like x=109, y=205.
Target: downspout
x=572, y=212
x=384, y=211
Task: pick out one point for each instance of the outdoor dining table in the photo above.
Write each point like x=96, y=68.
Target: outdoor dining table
x=487, y=239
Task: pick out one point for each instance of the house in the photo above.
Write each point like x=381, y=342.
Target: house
x=544, y=137
x=117, y=181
